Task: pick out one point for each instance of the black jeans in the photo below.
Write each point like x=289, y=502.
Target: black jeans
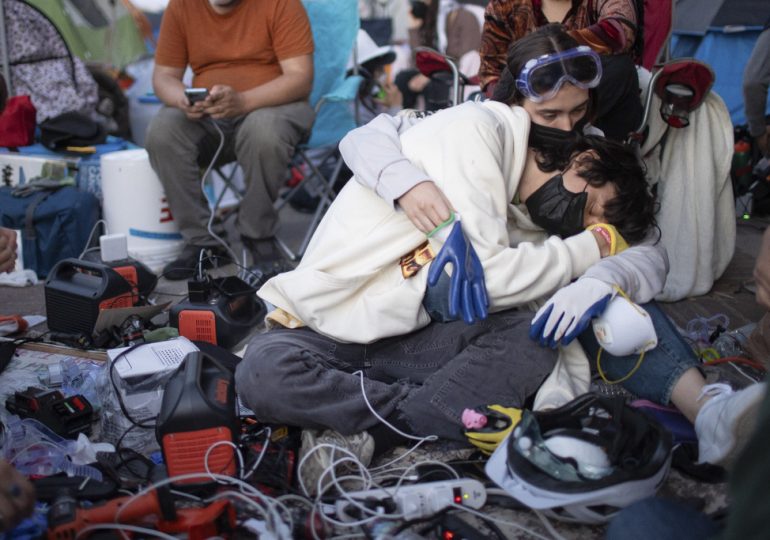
x=425, y=378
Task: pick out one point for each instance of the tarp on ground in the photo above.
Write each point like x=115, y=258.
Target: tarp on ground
x=721, y=33
x=98, y=31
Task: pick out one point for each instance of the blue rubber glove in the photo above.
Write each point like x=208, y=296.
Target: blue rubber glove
x=467, y=290
x=569, y=312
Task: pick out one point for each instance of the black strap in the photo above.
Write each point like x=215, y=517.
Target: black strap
x=29, y=215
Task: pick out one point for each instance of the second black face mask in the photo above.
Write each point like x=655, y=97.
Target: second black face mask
x=556, y=209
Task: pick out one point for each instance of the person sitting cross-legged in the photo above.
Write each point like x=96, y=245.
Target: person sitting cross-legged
x=359, y=299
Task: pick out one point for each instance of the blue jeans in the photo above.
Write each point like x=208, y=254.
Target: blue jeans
x=657, y=375
x=661, y=519
x=662, y=366
x=424, y=379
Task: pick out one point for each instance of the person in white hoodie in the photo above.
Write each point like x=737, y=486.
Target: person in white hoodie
x=359, y=299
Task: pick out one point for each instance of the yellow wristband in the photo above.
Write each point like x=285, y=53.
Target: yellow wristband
x=610, y=233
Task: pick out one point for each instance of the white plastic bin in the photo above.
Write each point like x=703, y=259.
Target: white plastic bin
x=135, y=204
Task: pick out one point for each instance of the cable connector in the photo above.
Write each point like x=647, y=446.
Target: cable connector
x=415, y=501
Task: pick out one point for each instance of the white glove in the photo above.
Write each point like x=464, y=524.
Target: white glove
x=569, y=312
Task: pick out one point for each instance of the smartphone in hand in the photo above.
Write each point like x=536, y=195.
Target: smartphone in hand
x=194, y=95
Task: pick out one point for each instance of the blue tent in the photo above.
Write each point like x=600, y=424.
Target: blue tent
x=721, y=33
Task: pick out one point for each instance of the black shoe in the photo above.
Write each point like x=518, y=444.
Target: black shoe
x=264, y=270
x=186, y=264
x=267, y=259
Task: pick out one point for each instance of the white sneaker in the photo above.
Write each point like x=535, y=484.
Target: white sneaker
x=326, y=456
x=726, y=421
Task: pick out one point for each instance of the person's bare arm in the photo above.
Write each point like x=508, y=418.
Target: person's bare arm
x=294, y=84
x=7, y=249
x=168, y=86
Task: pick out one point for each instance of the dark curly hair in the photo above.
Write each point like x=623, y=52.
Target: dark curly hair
x=602, y=161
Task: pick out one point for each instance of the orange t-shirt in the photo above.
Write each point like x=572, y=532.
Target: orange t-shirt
x=241, y=48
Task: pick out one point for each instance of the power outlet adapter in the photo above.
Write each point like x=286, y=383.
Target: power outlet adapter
x=114, y=247
x=416, y=501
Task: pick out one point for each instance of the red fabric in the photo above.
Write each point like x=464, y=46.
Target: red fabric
x=17, y=122
x=430, y=62
x=657, y=29
x=693, y=74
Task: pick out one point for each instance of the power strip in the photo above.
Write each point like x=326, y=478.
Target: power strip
x=414, y=501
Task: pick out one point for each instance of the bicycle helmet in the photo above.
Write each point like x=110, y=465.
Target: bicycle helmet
x=584, y=461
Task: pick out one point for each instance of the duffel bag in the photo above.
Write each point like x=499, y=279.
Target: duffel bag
x=55, y=224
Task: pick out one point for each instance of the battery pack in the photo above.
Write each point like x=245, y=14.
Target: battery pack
x=198, y=422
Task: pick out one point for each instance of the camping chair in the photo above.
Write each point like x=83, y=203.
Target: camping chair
x=686, y=142
x=335, y=25
x=437, y=66
x=681, y=85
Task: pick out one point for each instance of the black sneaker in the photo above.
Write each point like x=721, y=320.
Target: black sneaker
x=267, y=259
x=186, y=264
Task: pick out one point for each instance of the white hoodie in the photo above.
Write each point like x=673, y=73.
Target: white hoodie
x=349, y=286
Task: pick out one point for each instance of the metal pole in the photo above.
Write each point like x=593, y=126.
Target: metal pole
x=4, y=52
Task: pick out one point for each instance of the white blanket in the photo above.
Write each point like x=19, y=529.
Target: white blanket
x=697, y=209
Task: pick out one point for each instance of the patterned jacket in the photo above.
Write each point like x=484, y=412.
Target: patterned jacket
x=607, y=26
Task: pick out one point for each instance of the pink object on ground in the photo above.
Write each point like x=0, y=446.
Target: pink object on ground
x=473, y=420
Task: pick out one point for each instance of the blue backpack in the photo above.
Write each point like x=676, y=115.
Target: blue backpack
x=55, y=224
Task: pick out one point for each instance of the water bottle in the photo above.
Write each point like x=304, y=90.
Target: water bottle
x=740, y=171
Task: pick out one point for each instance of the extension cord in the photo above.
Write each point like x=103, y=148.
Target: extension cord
x=417, y=500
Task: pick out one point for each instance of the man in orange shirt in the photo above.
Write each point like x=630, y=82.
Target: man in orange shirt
x=255, y=60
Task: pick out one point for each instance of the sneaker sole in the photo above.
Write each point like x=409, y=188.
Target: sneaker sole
x=743, y=429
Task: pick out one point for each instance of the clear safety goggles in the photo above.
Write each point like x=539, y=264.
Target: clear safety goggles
x=541, y=78
x=528, y=442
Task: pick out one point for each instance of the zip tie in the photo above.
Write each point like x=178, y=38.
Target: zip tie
x=442, y=225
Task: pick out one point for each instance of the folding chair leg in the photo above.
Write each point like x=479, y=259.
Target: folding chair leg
x=325, y=199
x=323, y=205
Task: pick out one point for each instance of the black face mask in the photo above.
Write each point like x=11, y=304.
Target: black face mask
x=545, y=138
x=556, y=209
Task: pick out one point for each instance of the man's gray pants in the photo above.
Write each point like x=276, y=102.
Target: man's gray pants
x=426, y=378
x=262, y=142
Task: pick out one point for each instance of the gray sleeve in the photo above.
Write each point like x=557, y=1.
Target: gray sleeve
x=640, y=271
x=756, y=79
x=373, y=153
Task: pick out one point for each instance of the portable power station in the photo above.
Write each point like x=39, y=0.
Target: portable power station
x=198, y=411
x=141, y=278
x=221, y=311
x=76, y=290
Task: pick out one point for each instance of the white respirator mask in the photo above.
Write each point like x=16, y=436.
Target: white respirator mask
x=625, y=328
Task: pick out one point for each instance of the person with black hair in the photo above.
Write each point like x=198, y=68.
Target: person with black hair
x=669, y=374
x=612, y=28
x=359, y=298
